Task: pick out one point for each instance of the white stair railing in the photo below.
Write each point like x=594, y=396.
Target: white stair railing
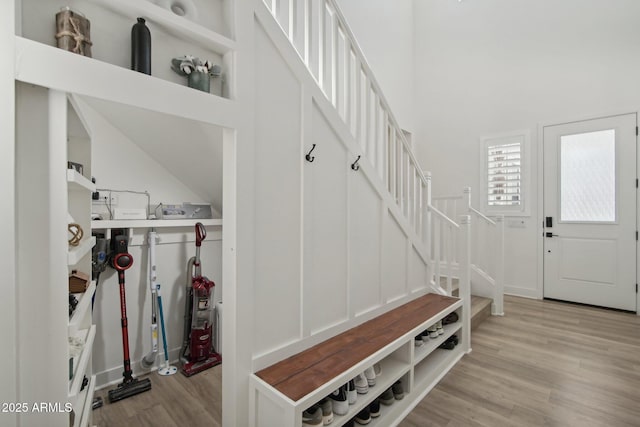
x=487, y=249
x=318, y=32
x=320, y=35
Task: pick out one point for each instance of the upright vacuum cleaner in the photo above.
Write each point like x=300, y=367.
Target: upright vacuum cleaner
x=197, y=352
x=130, y=386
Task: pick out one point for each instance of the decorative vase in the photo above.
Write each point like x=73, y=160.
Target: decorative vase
x=141, y=47
x=198, y=80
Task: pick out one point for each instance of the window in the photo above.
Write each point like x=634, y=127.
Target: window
x=504, y=173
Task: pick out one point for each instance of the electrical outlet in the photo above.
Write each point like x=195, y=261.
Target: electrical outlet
x=105, y=198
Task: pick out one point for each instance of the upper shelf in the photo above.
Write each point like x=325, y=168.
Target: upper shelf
x=170, y=22
x=72, y=73
x=152, y=223
x=77, y=181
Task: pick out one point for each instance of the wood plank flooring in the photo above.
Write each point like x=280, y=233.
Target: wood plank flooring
x=544, y=364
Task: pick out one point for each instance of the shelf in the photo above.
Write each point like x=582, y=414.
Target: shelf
x=86, y=396
x=428, y=372
x=178, y=26
x=84, y=302
x=152, y=223
x=80, y=368
x=392, y=371
x=433, y=343
x=72, y=73
x=78, y=182
x=76, y=253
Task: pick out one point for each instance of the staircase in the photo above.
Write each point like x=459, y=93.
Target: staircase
x=450, y=233
x=480, y=306
x=486, y=251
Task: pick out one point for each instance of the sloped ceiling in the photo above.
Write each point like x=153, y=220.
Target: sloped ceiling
x=189, y=150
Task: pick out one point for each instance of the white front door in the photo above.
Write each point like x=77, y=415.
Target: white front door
x=590, y=212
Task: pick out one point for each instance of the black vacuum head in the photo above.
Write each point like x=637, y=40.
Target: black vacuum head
x=132, y=388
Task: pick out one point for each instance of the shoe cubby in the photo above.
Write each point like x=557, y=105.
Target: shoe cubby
x=429, y=346
x=280, y=393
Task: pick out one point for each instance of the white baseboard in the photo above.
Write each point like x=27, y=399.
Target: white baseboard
x=521, y=292
x=113, y=376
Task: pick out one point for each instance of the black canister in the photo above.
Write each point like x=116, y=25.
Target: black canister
x=141, y=47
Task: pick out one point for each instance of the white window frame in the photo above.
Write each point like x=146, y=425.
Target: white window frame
x=524, y=138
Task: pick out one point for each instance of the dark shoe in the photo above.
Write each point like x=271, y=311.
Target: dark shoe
x=387, y=398
x=450, y=318
x=374, y=408
x=447, y=345
x=363, y=417
x=398, y=391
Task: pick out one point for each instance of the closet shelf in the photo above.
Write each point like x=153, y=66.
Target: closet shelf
x=86, y=398
x=78, y=182
x=152, y=223
x=84, y=302
x=76, y=253
x=69, y=72
x=80, y=368
x=177, y=26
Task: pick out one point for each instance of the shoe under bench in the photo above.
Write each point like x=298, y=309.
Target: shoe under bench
x=281, y=392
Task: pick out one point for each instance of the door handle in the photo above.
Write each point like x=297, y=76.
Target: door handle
x=548, y=234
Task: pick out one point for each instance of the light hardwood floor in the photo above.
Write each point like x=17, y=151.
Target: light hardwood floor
x=544, y=364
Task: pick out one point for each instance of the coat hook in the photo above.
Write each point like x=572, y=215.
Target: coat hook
x=308, y=156
x=355, y=166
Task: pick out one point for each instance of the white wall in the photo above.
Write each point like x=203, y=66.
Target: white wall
x=331, y=247
x=492, y=66
x=384, y=32
x=8, y=333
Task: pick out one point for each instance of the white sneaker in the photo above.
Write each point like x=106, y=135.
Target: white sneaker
x=370, y=375
x=362, y=385
x=377, y=369
x=339, y=402
x=433, y=331
x=352, y=394
x=327, y=411
x=439, y=328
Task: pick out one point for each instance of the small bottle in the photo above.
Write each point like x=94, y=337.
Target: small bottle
x=141, y=47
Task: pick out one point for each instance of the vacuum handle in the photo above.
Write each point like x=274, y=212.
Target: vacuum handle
x=201, y=234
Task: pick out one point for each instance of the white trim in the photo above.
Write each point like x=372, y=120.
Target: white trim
x=521, y=292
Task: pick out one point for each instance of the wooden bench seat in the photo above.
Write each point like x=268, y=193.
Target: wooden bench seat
x=302, y=373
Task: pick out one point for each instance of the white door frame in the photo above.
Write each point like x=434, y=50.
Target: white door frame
x=539, y=167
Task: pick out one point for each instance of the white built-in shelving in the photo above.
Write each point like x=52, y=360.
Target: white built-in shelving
x=84, y=304
x=81, y=363
x=78, y=182
x=418, y=368
x=76, y=253
x=69, y=84
x=152, y=223
x=177, y=26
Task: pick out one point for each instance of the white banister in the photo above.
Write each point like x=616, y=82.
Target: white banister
x=464, y=290
x=498, y=300
x=324, y=42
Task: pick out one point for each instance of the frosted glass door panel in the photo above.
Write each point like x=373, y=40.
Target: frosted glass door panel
x=588, y=177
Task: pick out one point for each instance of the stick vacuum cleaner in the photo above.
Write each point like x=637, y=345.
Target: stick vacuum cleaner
x=197, y=352
x=130, y=386
x=156, y=306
